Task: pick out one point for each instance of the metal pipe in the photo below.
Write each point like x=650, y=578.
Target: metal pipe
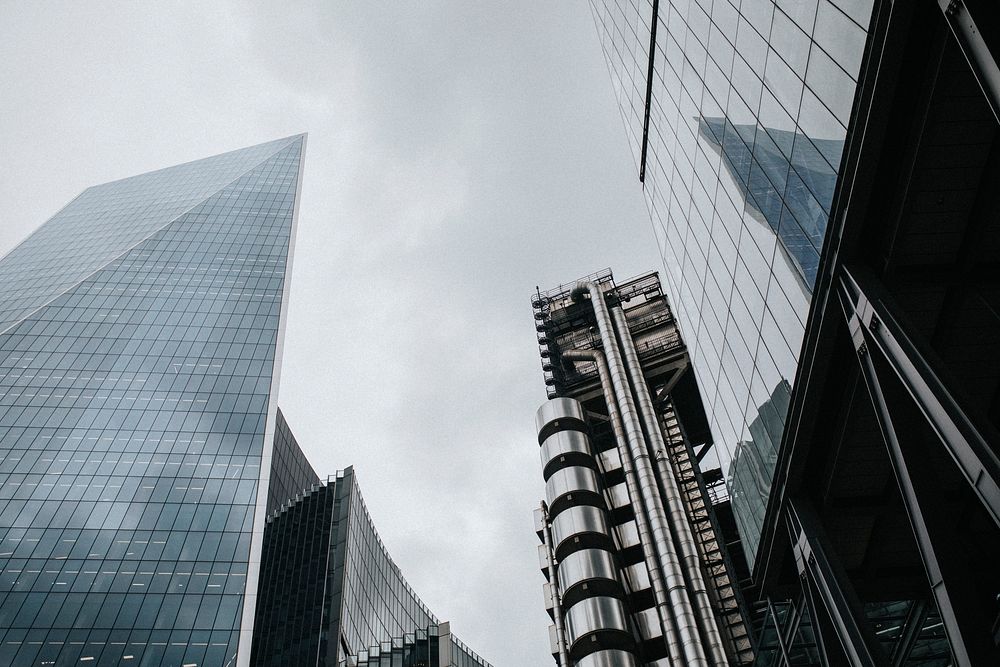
x=563, y=659
x=652, y=564
x=675, y=505
x=682, y=612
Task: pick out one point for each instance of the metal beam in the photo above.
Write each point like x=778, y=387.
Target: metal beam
x=968, y=33
x=678, y=367
x=703, y=451
x=912, y=625
x=920, y=510
x=649, y=90
x=868, y=310
x=778, y=632
x=827, y=583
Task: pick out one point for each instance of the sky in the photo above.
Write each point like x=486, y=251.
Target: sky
x=459, y=154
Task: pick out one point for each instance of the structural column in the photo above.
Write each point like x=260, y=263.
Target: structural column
x=915, y=413
x=826, y=582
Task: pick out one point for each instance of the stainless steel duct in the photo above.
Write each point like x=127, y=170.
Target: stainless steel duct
x=572, y=485
x=587, y=607
x=602, y=618
x=645, y=536
x=678, y=517
x=557, y=615
x=608, y=658
x=686, y=633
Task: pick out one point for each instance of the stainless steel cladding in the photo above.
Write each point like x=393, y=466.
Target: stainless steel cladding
x=584, y=592
x=677, y=516
x=683, y=637
x=578, y=528
x=608, y=451
x=648, y=624
x=608, y=658
x=600, y=620
x=587, y=573
x=564, y=448
x=575, y=485
x=551, y=412
x=637, y=532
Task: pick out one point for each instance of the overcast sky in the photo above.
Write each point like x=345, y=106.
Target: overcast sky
x=459, y=154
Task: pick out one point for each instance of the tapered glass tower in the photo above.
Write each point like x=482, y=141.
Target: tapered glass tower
x=140, y=346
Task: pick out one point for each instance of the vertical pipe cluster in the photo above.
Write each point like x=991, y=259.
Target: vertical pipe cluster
x=587, y=593
x=690, y=628
x=672, y=496
x=632, y=485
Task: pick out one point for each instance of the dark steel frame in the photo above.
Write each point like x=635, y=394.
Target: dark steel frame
x=918, y=406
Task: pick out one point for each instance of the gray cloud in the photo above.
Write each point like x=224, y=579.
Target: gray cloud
x=459, y=154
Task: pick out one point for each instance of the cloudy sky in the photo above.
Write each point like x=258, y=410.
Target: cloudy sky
x=460, y=153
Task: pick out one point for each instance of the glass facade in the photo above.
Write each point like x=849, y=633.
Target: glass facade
x=747, y=112
x=329, y=590
x=140, y=333
x=427, y=647
x=290, y=470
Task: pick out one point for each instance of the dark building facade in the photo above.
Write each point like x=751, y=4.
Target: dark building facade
x=634, y=535
x=330, y=594
x=821, y=181
x=141, y=447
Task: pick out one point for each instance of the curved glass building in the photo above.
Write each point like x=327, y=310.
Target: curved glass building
x=330, y=594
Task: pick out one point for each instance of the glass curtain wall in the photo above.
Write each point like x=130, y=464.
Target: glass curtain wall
x=747, y=112
x=137, y=354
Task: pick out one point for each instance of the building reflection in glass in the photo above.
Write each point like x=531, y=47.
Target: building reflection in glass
x=787, y=179
x=787, y=183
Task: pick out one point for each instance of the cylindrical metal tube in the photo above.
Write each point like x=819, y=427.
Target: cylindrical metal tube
x=675, y=505
x=686, y=633
x=601, y=614
x=554, y=576
x=645, y=536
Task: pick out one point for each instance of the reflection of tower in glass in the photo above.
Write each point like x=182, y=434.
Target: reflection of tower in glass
x=786, y=178
x=753, y=463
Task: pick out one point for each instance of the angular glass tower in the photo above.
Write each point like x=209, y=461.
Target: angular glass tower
x=140, y=347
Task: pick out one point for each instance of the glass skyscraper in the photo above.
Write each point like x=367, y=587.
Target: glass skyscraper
x=140, y=335
x=736, y=113
x=142, y=450
x=821, y=177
